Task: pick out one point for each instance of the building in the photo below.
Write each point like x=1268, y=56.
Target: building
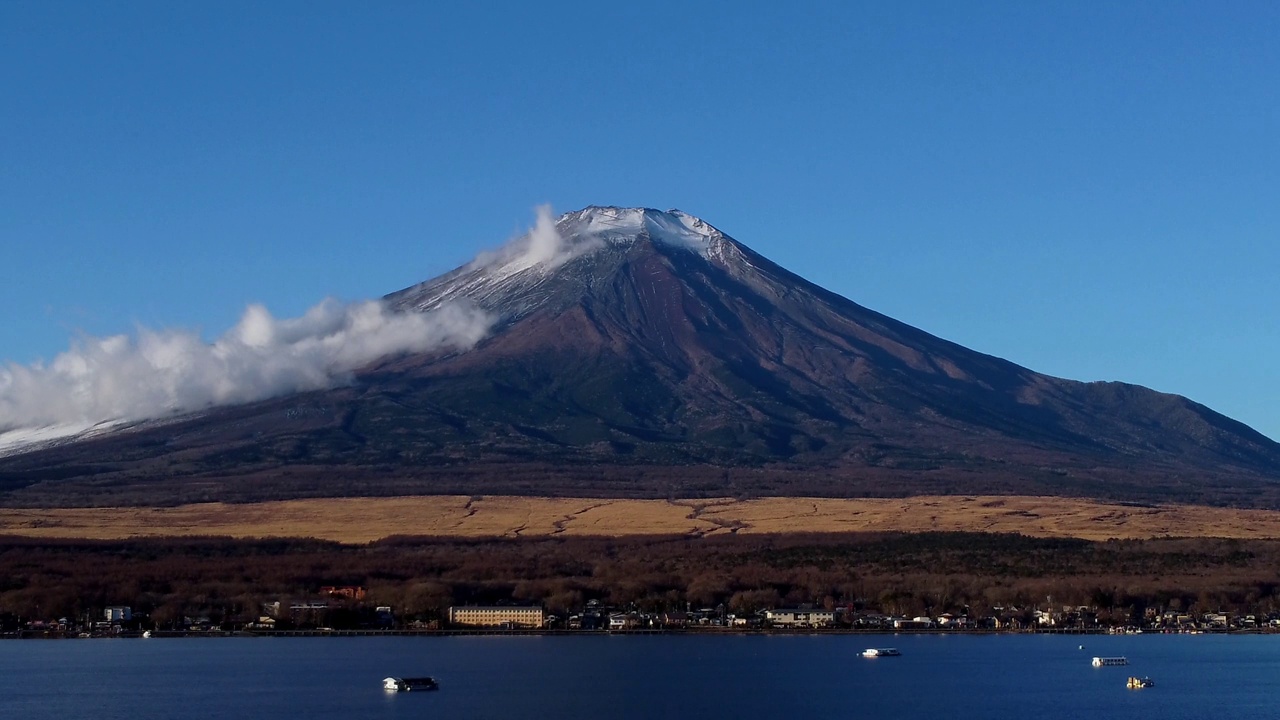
x=308, y=613
x=509, y=616
x=675, y=619
x=264, y=622
x=800, y=617
x=628, y=621
x=118, y=613
x=351, y=592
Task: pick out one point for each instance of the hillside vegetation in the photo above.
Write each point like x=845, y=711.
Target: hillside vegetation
x=361, y=520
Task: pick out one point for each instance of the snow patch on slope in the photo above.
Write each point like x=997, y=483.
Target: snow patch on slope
x=20, y=440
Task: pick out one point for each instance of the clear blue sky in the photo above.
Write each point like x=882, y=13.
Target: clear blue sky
x=1088, y=189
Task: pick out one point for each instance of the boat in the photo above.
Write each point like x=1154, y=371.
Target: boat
x=880, y=652
x=146, y=633
x=395, y=684
x=1108, y=661
x=1137, y=683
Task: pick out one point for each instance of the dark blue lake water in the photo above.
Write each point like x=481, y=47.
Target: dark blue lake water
x=669, y=676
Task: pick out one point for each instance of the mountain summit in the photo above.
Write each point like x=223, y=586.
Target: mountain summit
x=579, y=250
x=636, y=352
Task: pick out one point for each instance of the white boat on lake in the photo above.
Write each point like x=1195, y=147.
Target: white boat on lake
x=395, y=684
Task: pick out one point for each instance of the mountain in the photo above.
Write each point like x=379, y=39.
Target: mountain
x=645, y=353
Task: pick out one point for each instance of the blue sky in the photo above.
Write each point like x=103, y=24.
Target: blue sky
x=1088, y=189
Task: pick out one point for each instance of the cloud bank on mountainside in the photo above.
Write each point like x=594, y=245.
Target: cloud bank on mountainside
x=101, y=382
x=152, y=374
x=157, y=373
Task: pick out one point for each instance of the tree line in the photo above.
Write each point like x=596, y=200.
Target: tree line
x=229, y=580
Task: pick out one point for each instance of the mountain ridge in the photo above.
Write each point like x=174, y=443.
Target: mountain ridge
x=634, y=343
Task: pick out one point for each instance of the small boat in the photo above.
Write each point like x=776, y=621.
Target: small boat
x=146, y=633
x=1137, y=683
x=1109, y=661
x=395, y=684
x=880, y=652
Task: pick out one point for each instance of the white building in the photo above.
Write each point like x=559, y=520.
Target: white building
x=118, y=613
x=800, y=617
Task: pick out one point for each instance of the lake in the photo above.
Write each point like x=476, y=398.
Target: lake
x=993, y=677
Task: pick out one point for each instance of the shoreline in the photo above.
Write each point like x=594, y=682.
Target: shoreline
x=495, y=632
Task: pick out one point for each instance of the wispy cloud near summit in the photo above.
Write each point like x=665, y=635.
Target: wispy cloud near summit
x=543, y=246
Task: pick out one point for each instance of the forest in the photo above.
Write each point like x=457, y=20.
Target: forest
x=228, y=581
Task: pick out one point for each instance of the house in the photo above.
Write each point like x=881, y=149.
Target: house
x=800, y=617
x=590, y=620
x=871, y=620
x=675, y=619
x=626, y=621
x=1215, y=620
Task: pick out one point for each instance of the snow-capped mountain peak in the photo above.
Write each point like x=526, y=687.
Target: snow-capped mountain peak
x=567, y=253
x=672, y=228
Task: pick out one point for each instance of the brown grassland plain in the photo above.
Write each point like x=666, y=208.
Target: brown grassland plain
x=362, y=520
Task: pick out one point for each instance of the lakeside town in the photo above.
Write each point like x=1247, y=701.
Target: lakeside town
x=344, y=610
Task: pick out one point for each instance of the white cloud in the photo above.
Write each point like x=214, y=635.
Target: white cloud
x=159, y=373
x=545, y=243
x=543, y=247
x=100, y=383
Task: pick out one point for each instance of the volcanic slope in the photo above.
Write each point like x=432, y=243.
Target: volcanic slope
x=640, y=353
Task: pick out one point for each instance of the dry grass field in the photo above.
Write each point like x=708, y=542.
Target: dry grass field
x=360, y=520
